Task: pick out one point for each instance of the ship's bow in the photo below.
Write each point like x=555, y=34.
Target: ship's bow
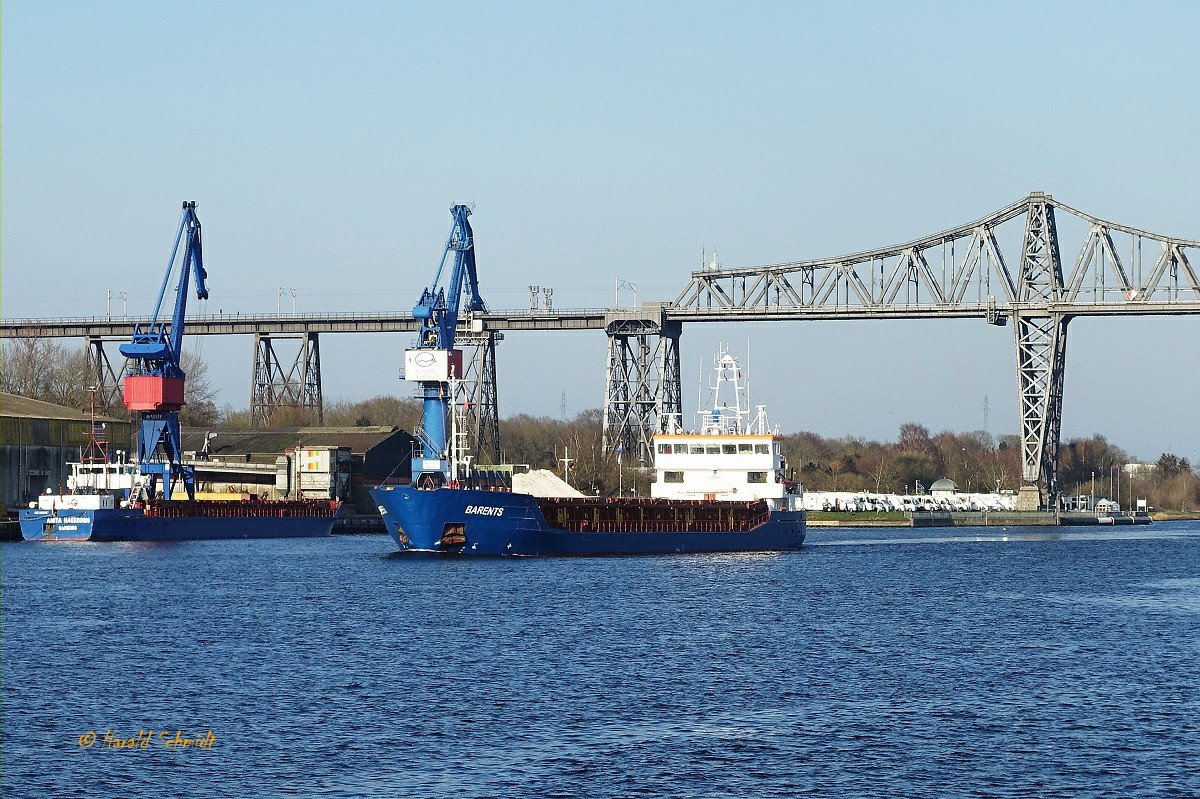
x=454, y=520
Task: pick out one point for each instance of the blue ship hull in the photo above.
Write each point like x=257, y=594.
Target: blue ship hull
x=131, y=524
x=505, y=523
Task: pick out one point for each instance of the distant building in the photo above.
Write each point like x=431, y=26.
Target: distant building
x=1139, y=469
x=37, y=439
x=943, y=488
x=1088, y=503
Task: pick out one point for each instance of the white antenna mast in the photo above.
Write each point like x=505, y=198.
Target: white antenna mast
x=748, y=373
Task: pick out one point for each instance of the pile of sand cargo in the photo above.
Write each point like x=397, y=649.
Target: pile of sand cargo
x=542, y=483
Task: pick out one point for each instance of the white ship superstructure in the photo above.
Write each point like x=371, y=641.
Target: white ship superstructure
x=102, y=477
x=734, y=456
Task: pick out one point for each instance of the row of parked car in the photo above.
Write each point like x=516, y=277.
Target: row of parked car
x=861, y=501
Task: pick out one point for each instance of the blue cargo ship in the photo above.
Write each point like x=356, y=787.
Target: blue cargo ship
x=90, y=518
x=471, y=522
x=100, y=508
x=721, y=489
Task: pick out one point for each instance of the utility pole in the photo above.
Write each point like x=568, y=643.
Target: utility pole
x=619, y=284
x=124, y=297
x=620, y=472
x=279, y=297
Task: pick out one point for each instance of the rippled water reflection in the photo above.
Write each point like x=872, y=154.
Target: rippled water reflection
x=874, y=663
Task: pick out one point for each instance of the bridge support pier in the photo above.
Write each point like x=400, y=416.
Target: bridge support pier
x=272, y=388
x=482, y=417
x=642, y=383
x=1041, y=341
x=108, y=381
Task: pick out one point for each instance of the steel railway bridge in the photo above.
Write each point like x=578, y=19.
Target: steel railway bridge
x=1004, y=267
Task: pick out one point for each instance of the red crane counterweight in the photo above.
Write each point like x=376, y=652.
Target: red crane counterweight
x=153, y=393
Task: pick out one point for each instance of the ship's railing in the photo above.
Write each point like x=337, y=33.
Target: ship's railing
x=618, y=515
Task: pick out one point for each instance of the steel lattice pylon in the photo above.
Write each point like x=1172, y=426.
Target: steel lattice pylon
x=482, y=417
x=108, y=381
x=273, y=388
x=642, y=385
x=1041, y=341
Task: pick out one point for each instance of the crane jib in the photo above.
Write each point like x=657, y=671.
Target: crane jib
x=156, y=387
x=434, y=361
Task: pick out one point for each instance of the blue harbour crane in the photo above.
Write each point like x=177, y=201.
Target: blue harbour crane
x=156, y=386
x=433, y=362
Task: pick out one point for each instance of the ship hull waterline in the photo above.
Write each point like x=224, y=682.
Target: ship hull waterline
x=506, y=523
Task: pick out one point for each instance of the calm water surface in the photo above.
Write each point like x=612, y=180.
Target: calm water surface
x=942, y=663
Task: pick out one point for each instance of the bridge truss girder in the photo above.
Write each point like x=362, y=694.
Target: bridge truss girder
x=642, y=385
x=273, y=387
x=961, y=271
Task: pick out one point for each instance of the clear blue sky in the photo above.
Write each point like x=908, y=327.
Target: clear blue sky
x=325, y=142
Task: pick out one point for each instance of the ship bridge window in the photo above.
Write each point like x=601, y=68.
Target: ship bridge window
x=762, y=449
x=776, y=446
x=697, y=449
x=729, y=449
x=712, y=449
x=672, y=477
x=745, y=449
x=756, y=477
x=664, y=449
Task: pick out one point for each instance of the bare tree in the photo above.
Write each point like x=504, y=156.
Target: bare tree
x=199, y=393
x=27, y=364
x=41, y=369
x=880, y=470
x=68, y=379
x=382, y=410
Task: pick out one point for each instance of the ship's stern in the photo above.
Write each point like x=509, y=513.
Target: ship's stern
x=42, y=524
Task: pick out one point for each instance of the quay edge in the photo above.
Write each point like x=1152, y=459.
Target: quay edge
x=979, y=519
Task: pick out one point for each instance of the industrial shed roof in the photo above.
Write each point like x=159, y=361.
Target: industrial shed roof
x=228, y=441
x=14, y=405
